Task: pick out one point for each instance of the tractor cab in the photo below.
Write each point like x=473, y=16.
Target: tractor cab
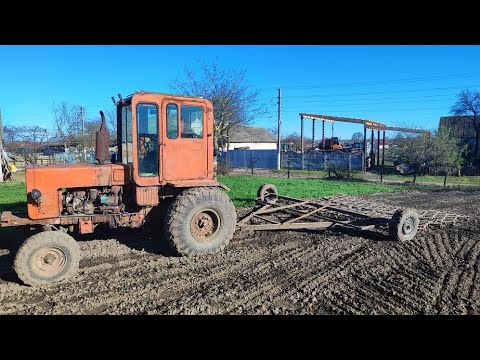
x=165, y=139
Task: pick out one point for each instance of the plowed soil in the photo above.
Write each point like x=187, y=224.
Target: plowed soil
x=273, y=272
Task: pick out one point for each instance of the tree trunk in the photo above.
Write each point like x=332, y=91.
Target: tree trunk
x=414, y=174
x=445, y=178
x=475, y=151
x=476, y=161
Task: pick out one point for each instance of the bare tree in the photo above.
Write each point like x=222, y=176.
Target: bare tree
x=357, y=137
x=9, y=134
x=67, y=121
x=37, y=134
x=111, y=117
x=234, y=101
x=468, y=107
x=296, y=140
x=87, y=140
x=273, y=131
x=27, y=141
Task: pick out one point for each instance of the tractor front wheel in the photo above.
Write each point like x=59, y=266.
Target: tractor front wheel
x=200, y=221
x=46, y=258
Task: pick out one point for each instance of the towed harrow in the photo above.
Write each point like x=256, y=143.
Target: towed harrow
x=278, y=212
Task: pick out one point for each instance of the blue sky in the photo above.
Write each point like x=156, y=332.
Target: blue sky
x=395, y=84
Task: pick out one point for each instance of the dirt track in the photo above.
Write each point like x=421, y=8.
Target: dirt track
x=274, y=273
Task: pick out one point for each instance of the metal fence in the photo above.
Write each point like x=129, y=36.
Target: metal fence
x=313, y=160
x=75, y=158
x=322, y=160
x=256, y=159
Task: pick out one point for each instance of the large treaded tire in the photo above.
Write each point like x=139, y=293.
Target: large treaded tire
x=404, y=224
x=47, y=258
x=200, y=221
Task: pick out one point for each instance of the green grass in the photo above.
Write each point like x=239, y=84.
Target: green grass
x=244, y=188
x=389, y=177
x=12, y=198
x=424, y=179
x=13, y=195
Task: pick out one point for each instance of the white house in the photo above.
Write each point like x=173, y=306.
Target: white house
x=252, y=138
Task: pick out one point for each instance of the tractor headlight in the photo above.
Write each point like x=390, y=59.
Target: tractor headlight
x=36, y=195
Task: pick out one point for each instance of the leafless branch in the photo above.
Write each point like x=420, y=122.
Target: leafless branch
x=234, y=101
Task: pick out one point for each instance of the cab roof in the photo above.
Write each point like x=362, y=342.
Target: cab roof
x=165, y=94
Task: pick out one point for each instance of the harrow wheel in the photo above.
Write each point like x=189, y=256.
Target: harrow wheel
x=268, y=193
x=404, y=224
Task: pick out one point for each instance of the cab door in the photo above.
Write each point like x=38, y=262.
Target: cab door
x=184, y=153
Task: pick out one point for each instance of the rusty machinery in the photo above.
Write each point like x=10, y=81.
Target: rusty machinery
x=163, y=162
x=165, y=159
x=330, y=144
x=279, y=212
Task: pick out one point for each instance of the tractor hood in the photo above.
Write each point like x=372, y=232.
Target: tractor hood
x=50, y=179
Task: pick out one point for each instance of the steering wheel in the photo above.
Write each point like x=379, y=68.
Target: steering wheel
x=146, y=143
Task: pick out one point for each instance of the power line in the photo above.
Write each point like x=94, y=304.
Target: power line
x=380, y=82
x=82, y=114
x=370, y=110
x=380, y=98
x=367, y=103
x=383, y=92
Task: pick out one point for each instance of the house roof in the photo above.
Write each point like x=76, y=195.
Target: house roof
x=250, y=134
x=461, y=126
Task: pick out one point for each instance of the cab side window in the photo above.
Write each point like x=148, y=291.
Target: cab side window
x=147, y=141
x=191, y=121
x=172, y=121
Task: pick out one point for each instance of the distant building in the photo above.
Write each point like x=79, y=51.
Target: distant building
x=461, y=126
x=252, y=138
x=287, y=146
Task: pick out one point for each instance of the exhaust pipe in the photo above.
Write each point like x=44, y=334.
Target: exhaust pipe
x=101, y=142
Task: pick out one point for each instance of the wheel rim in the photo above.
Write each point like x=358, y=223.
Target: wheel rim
x=408, y=226
x=270, y=196
x=205, y=225
x=48, y=262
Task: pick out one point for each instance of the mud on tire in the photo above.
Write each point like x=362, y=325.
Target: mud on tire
x=46, y=258
x=200, y=221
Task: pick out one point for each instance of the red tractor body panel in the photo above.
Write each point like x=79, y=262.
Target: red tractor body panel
x=50, y=179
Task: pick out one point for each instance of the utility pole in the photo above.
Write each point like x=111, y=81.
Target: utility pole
x=82, y=114
x=1, y=131
x=1, y=147
x=278, y=132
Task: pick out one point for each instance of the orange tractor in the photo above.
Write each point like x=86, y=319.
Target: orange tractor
x=165, y=156
x=331, y=144
x=164, y=164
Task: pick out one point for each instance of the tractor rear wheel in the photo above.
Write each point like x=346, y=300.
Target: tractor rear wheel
x=46, y=258
x=200, y=221
x=404, y=224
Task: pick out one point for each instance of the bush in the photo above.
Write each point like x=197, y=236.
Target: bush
x=223, y=168
x=337, y=171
